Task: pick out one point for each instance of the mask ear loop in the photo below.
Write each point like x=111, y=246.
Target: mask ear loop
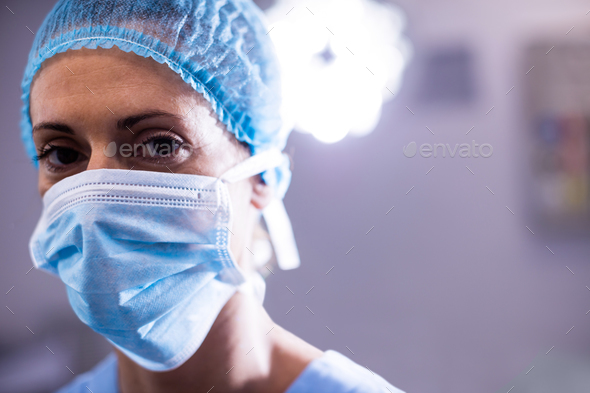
x=275, y=215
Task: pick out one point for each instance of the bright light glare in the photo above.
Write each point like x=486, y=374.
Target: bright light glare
x=341, y=60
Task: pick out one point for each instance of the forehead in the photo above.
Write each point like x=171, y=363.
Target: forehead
x=114, y=63
x=78, y=80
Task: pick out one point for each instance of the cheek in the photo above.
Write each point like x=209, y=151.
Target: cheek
x=240, y=194
x=241, y=228
x=43, y=183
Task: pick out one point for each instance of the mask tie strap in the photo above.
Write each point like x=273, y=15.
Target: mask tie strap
x=281, y=234
x=254, y=165
x=275, y=214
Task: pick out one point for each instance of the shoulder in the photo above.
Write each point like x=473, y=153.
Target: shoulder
x=334, y=372
x=102, y=378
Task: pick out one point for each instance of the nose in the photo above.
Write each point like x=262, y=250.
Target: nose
x=106, y=156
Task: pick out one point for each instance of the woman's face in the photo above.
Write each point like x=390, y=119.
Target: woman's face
x=84, y=100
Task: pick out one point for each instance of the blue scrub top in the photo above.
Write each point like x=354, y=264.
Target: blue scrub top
x=332, y=372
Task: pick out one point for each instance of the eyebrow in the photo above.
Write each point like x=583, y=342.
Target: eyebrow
x=130, y=121
x=122, y=124
x=49, y=125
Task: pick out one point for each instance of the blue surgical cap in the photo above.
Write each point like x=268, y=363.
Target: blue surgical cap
x=220, y=47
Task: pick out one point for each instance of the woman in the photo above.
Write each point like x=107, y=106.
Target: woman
x=154, y=177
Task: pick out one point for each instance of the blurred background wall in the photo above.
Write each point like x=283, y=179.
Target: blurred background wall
x=449, y=291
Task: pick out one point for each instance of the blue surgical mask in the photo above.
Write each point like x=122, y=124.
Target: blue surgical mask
x=145, y=256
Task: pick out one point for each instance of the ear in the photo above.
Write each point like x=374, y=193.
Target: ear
x=261, y=193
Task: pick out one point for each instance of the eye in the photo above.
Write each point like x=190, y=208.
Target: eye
x=160, y=146
x=58, y=156
x=63, y=156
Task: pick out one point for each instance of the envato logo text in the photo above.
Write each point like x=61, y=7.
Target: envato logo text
x=155, y=150
x=463, y=150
